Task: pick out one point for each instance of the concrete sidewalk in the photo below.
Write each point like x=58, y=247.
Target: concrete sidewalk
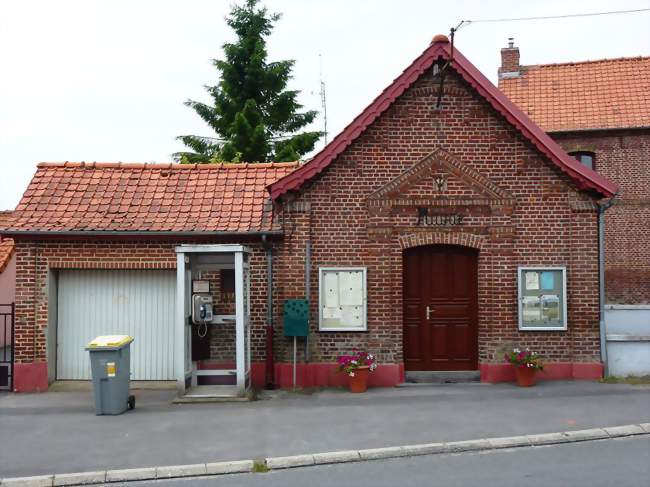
x=58, y=432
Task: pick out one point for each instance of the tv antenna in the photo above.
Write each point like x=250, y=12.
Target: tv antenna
x=323, y=99
x=441, y=71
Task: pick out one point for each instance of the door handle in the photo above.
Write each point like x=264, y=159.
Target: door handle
x=429, y=311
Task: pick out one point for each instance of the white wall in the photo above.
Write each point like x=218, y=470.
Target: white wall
x=628, y=339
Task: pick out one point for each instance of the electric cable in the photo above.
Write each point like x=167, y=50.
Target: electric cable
x=548, y=17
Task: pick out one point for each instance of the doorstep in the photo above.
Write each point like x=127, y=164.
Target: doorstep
x=441, y=376
x=213, y=393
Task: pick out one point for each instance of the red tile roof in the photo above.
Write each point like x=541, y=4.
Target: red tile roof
x=6, y=244
x=131, y=197
x=584, y=177
x=604, y=94
x=6, y=251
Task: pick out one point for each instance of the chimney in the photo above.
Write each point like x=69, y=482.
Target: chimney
x=509, y=60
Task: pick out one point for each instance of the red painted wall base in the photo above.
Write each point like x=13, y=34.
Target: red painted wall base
x=314, y=374
x=326, y=375
x=30, y=377
x=552, y=371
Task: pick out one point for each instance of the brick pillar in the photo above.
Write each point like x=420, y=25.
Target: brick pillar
x=30, y=368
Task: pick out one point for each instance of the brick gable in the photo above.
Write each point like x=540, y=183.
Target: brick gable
x=440, y=49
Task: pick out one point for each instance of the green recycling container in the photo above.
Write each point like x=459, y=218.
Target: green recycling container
x=110, y=361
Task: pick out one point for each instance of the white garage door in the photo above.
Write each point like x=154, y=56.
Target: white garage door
x=139, y=303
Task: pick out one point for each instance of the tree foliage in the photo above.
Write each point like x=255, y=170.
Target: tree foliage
x=253, y=114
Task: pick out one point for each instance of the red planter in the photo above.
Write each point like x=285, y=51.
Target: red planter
x=359, y=381
x=526, y=376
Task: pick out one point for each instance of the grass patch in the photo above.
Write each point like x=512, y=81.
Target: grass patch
x=635, y=380
x=259, y=466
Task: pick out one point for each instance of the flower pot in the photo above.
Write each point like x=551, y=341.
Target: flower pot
x=359, y=381
x=526, y=376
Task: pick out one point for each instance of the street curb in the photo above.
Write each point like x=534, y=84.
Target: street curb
x=311, y=459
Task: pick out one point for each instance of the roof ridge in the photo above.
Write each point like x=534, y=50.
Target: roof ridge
x=166, y=165
x=586, y=61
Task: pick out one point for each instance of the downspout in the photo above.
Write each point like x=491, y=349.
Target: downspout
x=307, y=290
x=270, y=365
x=35, y=303
x=602, y=208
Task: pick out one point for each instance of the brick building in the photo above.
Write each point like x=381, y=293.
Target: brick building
x=599, y=111
x=434, y=235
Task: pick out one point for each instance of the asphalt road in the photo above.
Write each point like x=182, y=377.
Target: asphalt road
x=621, y=462
x=58, y=432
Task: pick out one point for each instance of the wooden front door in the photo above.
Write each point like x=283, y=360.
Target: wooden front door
x=440, y=308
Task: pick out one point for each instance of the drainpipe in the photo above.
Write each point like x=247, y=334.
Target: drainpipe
x=602, y=208
x=270, y=365
x=307, y=291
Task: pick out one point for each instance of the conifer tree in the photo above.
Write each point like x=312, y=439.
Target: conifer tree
x=253, y=114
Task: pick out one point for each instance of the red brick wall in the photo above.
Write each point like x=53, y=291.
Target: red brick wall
x=35, y=258
x=623, y=157
x=549, y=223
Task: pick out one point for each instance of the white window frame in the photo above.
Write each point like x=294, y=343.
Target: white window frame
x=364, y=290
x=541, y=268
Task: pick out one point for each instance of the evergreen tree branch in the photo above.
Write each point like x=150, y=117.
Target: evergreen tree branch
x=255, y=117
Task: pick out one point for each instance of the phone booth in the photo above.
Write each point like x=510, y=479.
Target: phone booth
x=202, y=322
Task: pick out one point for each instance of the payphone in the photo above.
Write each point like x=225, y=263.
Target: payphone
x=202, y=306
x=202, y=309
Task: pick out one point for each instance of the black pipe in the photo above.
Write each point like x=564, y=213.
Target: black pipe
x=307, y=292
x=270, y=362
x=602, y=208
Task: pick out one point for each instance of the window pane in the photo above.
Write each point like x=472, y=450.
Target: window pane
x=531, y=309
x=532, y=280
x=550, y=304
x=542, y=298
x=227, y=285
x=548, y=281
x=587, y=160
x=342, y=299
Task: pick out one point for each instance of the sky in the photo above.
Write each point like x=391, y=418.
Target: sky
x=95, y=80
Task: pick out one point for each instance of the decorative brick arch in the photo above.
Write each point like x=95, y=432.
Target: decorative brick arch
x=441, y=238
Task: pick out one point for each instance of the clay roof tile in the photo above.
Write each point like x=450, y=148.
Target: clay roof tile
x=155, y=197
x=587, y=95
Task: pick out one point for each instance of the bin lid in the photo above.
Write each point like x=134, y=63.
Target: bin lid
x=110, y=341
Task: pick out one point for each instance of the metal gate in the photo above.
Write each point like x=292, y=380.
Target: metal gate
x=6, y=346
